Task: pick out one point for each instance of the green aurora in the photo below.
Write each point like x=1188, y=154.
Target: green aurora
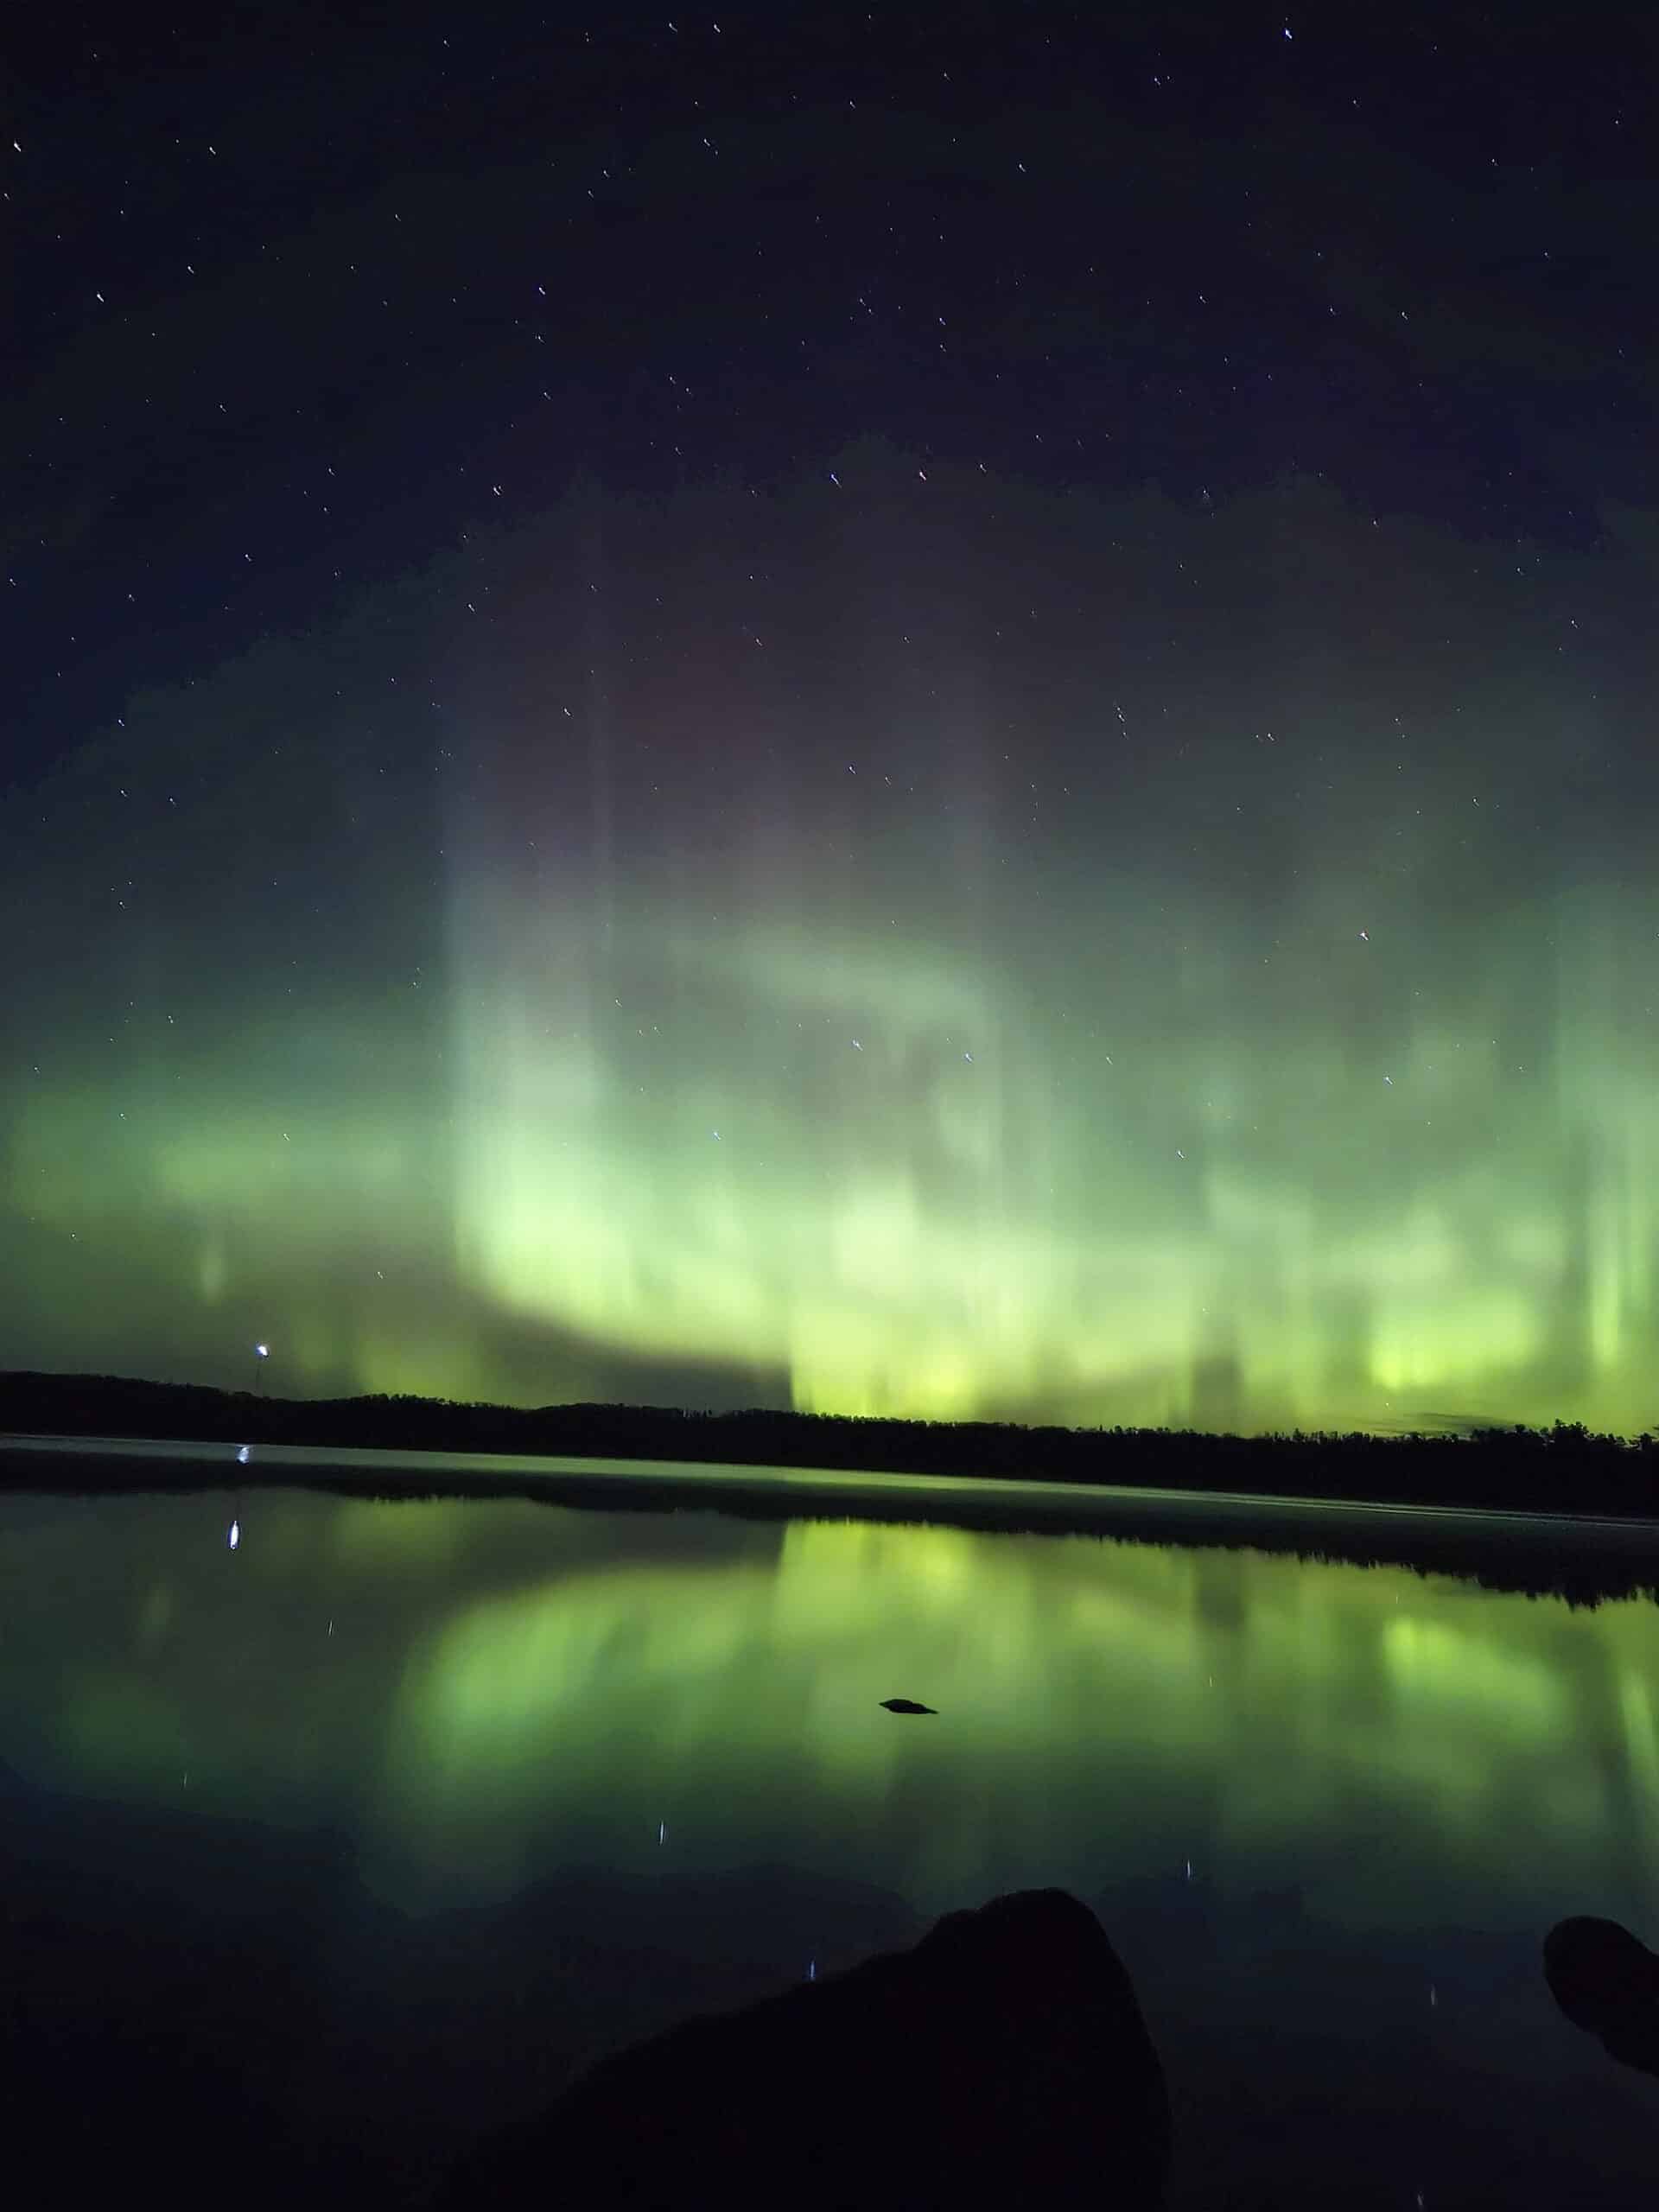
x=975, y=953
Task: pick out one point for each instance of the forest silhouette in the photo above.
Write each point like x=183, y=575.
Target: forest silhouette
x=1601, y=1492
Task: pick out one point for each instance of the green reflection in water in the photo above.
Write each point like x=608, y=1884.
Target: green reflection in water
x=480, y=1692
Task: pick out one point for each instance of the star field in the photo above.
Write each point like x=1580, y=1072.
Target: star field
x=889, y=714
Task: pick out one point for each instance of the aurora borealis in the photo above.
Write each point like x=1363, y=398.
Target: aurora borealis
x=1241, y=1022
x=910, y=926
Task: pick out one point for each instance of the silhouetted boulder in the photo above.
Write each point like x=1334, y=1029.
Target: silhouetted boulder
x=1003, y=2059
x=1607, y=1982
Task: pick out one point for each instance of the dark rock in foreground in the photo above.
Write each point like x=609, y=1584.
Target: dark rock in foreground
x=1607, y=1982
x=1003, y=2060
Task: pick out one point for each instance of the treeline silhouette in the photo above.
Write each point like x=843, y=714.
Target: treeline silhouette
x=1564, y=1469
x=1585, y=1562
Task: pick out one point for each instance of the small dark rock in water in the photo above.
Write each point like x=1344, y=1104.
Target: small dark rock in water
x=1606, y=1982
x=907, y=1705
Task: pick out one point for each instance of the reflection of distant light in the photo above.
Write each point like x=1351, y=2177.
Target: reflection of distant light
x=662, y=1832
x=236, y=1533
x=1189, y=1870
x=262, y=1352
x=811, y=1969
x=243, y=1456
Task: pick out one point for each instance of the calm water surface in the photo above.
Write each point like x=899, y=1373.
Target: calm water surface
x=580, y=1772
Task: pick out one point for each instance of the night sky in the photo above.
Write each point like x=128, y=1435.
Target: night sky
x=894, y=712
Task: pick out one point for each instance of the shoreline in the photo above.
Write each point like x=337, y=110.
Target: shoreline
x=1566, y=1471
x=1583, y=1558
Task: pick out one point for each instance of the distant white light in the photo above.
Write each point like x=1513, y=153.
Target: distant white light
x=236, y=1534
x=243, y=1457
x=262, y=1352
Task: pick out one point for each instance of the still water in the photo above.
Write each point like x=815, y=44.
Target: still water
x=576, y=1773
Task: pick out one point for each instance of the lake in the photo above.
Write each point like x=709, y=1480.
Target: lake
x=387, y=1816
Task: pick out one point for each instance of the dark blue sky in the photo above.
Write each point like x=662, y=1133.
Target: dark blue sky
x=297, y=295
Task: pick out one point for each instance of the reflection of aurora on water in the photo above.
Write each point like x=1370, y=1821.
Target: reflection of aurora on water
x=1238, y=1013
x=508, y=1689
